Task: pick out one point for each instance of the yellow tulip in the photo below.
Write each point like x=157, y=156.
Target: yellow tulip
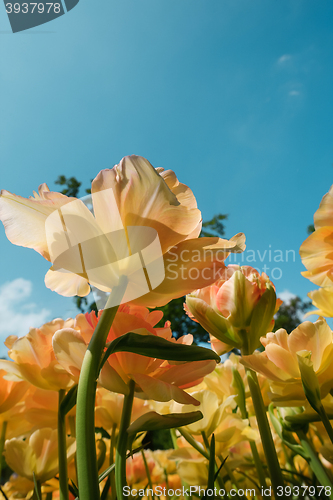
x=323, y=299
x=211, y=409
x=109, y=409
x=141, y=214
x=280, y=363
x=37, y=455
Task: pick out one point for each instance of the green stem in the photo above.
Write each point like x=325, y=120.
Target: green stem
x=2, y=444
x=194, y=443
x=85, y=406
x=150, y=484
x=62, y=451
x=174, y=439
x=120, y=470
x=265, y=432
x=112, y=448
x=324, y=418
x=208, y=448
x=253, y=446
x=37, y=491
x=315, y=463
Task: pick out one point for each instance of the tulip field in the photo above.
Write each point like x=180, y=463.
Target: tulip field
x=78, y=396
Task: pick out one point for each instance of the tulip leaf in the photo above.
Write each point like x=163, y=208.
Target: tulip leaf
x=211, y=467
x=220, y=468
x=73, y=489
x=153, y=421
x=157, y=347
x=69, y=401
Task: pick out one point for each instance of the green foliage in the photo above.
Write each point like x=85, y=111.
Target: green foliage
x=214, y=226
x=181, y=324
x=72, y=185
x=310, y=229
x=289, y=316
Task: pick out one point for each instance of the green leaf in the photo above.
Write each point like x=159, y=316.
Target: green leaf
x=69, y=401
x=211, y=466
x=74, y=489
x=153, y=421
x=157, y=347
x=220, y=468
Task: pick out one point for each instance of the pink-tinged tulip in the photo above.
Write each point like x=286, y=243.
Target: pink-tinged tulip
x=236, y=310
x=282, y=361
x=37, y=455
x=155, y=379
x=142, y=217
x=316, y=250
x=34, y=359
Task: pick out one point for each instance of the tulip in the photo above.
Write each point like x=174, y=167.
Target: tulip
x=237, y=309
x=323, y=299
x=34, y=359
x=10, y=392
x=141, y=215
x=316, y=250
x=280, y=361
x=154, y=378
x=109, y=408
x=37, y=455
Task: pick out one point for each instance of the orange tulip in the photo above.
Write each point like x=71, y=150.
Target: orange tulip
x=34, y=359
x=316, y=250
x=155, y=379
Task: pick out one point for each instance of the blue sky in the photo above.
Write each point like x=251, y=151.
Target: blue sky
x=235, y=96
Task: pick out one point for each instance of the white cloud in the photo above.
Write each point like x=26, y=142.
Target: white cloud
x=286, y=296
x=17, y=312
x=284, y=59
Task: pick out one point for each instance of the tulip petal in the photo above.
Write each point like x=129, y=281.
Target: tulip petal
x=161, y=391
x=140, y=195
x=190, y=265
x=313, y=337
x=66, y=283
x=24, y=219
x=317, y=256
x=69, y=349
x=324, y=214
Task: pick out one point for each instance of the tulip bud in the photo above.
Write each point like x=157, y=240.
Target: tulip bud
x=238, y=309
x=309, y=380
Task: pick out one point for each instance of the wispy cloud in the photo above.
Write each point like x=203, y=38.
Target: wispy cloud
x=294, y=93
x=17, y=311
x=284, y=59
x=286, y=296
